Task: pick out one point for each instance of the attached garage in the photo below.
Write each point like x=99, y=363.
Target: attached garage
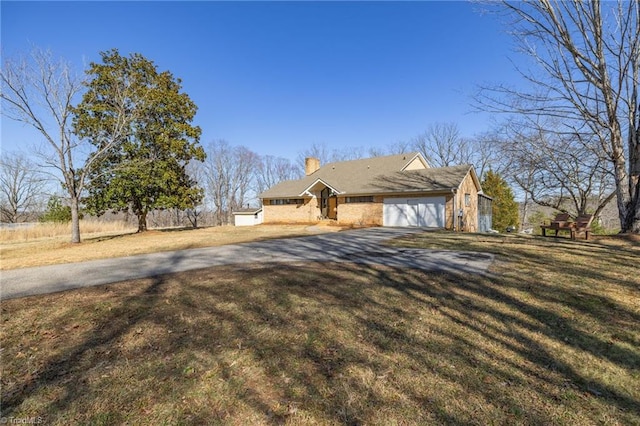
x=421, y=212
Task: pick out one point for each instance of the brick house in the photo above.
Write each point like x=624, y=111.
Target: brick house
x=395, y=190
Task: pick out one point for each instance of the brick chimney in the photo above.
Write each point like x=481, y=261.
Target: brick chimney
x=311, y=164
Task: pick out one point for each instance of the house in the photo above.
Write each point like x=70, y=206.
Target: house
x=395, y=190
x=247, y=217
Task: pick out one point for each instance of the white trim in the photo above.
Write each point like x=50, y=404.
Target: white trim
x=422, y=159
x=306, y=190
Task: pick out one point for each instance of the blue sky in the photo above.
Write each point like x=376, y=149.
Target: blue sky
x=277, y=77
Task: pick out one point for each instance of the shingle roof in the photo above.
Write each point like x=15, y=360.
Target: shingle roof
x=427, y=180
x=374, y=176
x=251, y=210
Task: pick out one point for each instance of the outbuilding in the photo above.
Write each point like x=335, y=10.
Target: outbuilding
x=248, y=217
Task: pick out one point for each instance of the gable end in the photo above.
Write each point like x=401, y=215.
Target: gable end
x=418, y=162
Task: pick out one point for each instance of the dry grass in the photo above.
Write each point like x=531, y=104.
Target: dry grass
x=551, y=336
x=39, y=231
x=102, y=242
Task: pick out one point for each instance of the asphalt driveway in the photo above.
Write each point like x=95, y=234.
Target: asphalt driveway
x=364, y=246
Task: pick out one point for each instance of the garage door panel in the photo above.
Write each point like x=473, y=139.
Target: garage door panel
x=418, y=211
x=394, y=214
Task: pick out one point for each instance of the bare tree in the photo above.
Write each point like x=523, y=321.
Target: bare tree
x=196, y=171
x=486, y=154
x=587, y=61
x=21, y=187
x=555, y=170
x=242, y=177
x=229, y=174
x=399, y=147
x=39, y=91
x=271, y=170
x=327, y=155
x=443, y=146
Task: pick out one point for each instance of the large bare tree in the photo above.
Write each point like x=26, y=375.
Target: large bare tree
x=586, y=74
x=39, y=90
x=229, y=174
x=21, y=187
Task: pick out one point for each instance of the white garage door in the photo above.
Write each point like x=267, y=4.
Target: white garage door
x=428, y=212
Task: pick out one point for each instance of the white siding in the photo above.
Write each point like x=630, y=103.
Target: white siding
x=248, y=219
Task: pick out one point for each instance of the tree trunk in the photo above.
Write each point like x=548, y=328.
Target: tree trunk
x=75, y=220
x=142, y=221
x=627, y=189
x=630, y=220
x=192, y=216
x=525, y=211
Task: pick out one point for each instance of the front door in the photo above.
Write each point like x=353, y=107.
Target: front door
x=332, y=212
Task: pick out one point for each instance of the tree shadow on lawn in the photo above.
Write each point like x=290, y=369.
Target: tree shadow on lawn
x=97, y=239
x=540, y=255
x=333, y=342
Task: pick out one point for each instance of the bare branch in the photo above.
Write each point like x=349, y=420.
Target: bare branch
x=586, y=83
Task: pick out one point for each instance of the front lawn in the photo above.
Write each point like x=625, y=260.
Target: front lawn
x=550, y=336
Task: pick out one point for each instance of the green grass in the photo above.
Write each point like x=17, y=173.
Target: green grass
x=550, y=336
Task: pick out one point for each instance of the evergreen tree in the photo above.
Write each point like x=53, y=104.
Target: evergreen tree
x=504, y=208
x=147, y=169
x=56, y=211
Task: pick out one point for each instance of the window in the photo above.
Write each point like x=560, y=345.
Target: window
x=368, y=199
x=467, y=200
x=284, y=201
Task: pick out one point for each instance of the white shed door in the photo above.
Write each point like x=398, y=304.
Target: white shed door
x=427, y=212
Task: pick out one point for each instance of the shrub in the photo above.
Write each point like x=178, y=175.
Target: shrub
x=56, y=211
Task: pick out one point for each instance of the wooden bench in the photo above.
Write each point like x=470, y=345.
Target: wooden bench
x=562, y=222
x=581, y=224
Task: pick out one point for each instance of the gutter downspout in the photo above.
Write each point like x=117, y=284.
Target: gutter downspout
x=454, y=215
